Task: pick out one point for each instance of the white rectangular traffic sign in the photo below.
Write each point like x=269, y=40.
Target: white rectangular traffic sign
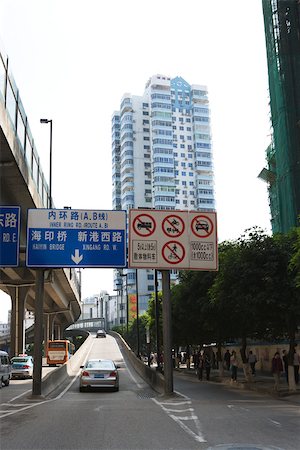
x=76, y=238
x=173, y=239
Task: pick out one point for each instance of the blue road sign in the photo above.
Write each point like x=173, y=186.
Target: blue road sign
x=76, y=238
x=9, y=236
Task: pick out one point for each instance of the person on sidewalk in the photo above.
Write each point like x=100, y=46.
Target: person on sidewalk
x=233, y=366
x=207, y=365
x=252, y=361
x=200, y=366
x=296, y=364
x=227, y=360
x=277, y=368
x=285, y=360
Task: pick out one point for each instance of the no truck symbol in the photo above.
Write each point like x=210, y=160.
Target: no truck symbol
x=173, y=226
x=173, y=252
x=202, y=226
x=144, y=225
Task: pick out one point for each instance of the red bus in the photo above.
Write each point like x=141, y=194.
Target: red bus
x=59, y=351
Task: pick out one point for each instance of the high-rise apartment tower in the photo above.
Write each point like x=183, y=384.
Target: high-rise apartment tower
x=162, y=155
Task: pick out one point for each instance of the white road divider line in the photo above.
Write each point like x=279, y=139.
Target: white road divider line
x=181, y=419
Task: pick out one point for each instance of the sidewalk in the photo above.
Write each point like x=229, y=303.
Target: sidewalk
x=262, y=382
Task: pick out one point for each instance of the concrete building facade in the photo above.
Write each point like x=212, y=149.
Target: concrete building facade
x=161, y=158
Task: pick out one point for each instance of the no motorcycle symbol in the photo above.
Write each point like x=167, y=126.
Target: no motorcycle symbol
x=173, y=226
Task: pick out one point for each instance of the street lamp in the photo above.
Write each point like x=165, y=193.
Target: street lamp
x=127, y=302
x=50, y=168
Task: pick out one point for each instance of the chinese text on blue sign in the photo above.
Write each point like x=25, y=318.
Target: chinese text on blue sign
x=76, y=238
x=9, y=236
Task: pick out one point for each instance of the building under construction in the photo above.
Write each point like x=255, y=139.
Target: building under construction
x=282, y=29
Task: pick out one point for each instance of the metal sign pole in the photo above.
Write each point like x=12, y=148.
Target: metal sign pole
x=38, y=333
x=167, y=332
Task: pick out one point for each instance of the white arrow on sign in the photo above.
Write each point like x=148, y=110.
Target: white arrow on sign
x=77, y=258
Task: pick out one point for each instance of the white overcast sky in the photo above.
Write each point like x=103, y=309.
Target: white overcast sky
x=73, y=61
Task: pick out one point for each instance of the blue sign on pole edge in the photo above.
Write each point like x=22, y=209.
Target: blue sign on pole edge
x=9, y=236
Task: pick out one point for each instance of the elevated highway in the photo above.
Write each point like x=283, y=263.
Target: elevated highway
x=23, y=184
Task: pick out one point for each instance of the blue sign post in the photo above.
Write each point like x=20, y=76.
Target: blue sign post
x=76, y=238
x=9, y=236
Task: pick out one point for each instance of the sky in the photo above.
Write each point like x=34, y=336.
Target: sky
x=73, y=61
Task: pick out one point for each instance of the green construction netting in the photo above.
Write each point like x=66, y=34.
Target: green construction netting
x=282, y=29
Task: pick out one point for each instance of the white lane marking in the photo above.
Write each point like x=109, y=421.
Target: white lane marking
x=23, y=409
x=67, y=387
x=180, y=419
x=198, y=438
x=15, y=404
x=44, y=401
x=274, y=422
x=176, y=403
x=20, y=395
x=180, y=410
x=139, y=385
x=230, y=406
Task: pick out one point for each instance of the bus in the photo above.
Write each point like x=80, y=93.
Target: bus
x=59, y=351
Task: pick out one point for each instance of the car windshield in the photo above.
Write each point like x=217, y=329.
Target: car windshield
x=100, y=365
x=21, y=360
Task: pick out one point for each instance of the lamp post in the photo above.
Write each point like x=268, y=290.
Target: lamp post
x=50, y=164
x=127, y=302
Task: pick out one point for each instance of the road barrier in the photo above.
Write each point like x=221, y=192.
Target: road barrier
x=150, y=375
x=66, y=371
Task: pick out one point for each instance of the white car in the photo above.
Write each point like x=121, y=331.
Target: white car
x=22, y=366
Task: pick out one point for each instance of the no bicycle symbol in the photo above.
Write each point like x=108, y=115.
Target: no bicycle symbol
x=144, y=225
x=202, y=226
x=173, y=252
x=173, y=226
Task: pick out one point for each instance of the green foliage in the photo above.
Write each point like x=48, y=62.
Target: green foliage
x=131, y=336
x=255, y=293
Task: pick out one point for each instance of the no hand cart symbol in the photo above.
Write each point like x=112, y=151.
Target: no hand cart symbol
x=202, y=226
x=173, y=252
x=173, y=226
x=144, y=225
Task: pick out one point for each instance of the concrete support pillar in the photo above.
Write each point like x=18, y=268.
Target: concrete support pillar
x=17, y=332
x=51, y=325
x=46, y=330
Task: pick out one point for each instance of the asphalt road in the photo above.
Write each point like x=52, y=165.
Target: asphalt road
x=201, y=415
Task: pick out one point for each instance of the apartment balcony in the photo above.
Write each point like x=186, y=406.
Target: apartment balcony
x=126, y=105
x=170, y=202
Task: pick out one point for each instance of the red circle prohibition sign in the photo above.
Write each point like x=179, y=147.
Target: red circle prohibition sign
x=202, y=226
x=172, y=247
x=146, y=223
x=173, y=226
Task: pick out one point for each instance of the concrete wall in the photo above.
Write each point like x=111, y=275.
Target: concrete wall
x=154, y=378
x=67, y=371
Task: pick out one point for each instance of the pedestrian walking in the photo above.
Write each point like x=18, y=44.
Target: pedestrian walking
x=200, y=365
x=296, y=363
x=277, y=368
x=233, y=365
x=227, y=360
x=207, y=365
x=252, y=361
x=285, y=360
